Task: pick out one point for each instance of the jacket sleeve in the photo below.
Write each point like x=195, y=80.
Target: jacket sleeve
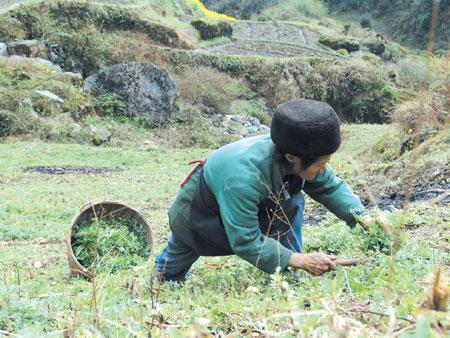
x=336, y=195
x=239, y=213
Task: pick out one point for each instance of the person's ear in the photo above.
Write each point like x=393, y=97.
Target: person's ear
x=291, y=158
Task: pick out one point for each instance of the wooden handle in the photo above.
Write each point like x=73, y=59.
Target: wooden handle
x=348, y=262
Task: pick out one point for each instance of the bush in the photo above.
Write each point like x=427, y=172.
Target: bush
x=210, y=31
x=432, y=109
x=293, y=10
x=10, y=29
x=111, y=104
x=366, y=21
x=210, y=88
x=11, y=123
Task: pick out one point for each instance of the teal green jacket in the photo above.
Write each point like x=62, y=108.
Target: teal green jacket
x=217, y=208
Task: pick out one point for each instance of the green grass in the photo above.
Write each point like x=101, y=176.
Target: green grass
x=222, y=295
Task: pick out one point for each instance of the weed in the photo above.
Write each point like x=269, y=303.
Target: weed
x=111, y=104
x=119, y=242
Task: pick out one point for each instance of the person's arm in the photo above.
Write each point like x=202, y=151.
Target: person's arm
x=336, y=195
x=239, y=212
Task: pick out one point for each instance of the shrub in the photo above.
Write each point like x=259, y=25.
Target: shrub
x=432, y=108
x=293, y=10
x=10, y=123
x=228, y=64
x=10, y=29
x=210, y=31
x=111, y=104
x=210, y=88
x=85, y=51
x=366, y=21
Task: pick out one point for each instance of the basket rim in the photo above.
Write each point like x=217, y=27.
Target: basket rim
x=79, y=268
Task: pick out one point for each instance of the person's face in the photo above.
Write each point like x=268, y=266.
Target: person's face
x=312, y=171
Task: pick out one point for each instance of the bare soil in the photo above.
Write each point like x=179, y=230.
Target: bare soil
x=62, y=170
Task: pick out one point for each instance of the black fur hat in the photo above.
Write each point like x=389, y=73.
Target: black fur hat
x=306, y=128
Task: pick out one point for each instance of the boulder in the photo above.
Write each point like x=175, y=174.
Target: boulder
x=3, y=49
x=27, y=48
x=339, y=43
x=235, y=128
x=49, y=96
x=376, y=47
x=147, y=90
x=100, y=135
x=46, y=103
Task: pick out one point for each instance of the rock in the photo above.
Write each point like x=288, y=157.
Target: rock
x=100, y=135
x=3, y=49
x=263, y=127
x=343, y=52
x=149, y=144
x=46, y=103
x=339, y=43
x=48, y=95
x=237, y=118
x=147, y=90
x=74, y=75
x=235, y=128
x=253, y=130
x=82, y=111
x=376, y=47
x=53, y=67
x=255, y=122
x=27, y=48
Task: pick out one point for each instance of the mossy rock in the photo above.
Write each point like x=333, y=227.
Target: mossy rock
x=211, y=31
x=375, y=47
x=339, y=43
x=371, y=58
x=343, y=52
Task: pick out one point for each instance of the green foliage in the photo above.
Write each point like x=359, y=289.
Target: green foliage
x=210, y=31
x=409, y=21
x=83, y=50
x=293, y=10
x=79, y=30
x=111, y=104
x=211, y=89
x=366, y=21
x=227, y=294
x=119, y=243
x=192, y=129
x=10, y=29
x=228, y=64
x=252, y=108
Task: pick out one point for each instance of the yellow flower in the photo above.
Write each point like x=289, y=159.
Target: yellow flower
x=209, y=13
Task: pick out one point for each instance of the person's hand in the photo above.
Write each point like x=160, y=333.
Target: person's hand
x=368, y=221
x=316, y=263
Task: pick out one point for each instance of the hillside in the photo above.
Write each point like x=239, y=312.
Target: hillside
x=109, y=101
x=408, y=22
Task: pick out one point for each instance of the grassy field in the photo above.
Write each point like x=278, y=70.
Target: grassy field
x=225, y=296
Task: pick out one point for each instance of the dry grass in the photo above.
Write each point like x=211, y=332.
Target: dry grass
x=210, y=88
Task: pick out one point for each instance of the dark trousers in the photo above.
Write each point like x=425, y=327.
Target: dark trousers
x=177, y=258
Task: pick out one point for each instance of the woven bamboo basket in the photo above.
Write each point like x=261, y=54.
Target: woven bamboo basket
x=99, y=210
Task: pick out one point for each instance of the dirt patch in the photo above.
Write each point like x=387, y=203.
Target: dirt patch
x=62, y=170
x=437, y=193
